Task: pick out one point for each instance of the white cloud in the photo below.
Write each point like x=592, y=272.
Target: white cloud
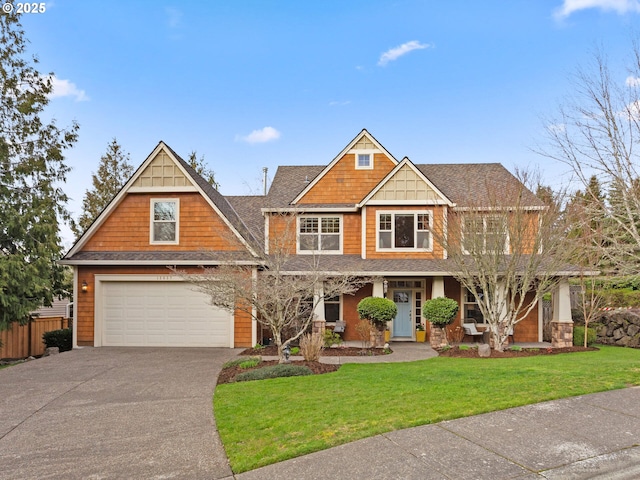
x=632, y=81
x=339, y=104
x=619, y=6
x=65, y=88
x=397, y=52
x=263, y=135
x=174, y=17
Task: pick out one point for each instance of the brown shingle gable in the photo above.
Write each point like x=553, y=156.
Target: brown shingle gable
x=462, y=183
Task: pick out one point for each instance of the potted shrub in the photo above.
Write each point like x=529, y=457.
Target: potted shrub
x=378, y=311
x=421, y=334
x=440, y=312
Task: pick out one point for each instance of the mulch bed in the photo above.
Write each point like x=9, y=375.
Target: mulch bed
x=525, y=352
x=272, y=350
x=228, y=374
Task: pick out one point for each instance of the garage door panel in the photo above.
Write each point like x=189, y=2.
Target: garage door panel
x=161, y=314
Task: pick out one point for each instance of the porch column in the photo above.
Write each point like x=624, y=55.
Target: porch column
x=437, y=287
x=378, y=288
x=562, y=323
x=76, y=288
x=319, y=323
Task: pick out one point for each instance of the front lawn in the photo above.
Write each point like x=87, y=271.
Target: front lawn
x=268, y=421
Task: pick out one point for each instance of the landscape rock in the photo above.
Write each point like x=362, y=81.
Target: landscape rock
x=484, y=351
x=51, y=351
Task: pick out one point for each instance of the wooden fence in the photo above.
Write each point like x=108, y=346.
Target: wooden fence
x=22, y=341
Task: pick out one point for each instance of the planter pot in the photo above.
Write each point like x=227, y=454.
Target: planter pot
x=421, y=335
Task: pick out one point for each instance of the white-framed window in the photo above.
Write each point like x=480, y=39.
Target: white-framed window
x=320, y=234
x=485, y=233
x=165, y=218
x=470, y=308
x=405, y=230
x=364, y=160
x=332, y=308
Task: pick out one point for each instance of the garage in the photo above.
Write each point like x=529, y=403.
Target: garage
x=160, y=314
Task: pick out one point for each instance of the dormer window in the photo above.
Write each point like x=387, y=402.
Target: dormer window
x=164, y=221
x=364, y=161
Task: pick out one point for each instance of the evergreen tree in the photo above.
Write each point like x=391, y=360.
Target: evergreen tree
x=199, y=166
x=113, y=172
x=32, y=168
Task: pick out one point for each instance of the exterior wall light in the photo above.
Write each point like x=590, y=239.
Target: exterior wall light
x=85, y=286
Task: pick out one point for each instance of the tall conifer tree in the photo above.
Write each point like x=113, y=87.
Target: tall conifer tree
x=32, y=170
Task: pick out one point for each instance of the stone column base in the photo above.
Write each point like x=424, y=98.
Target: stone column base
x=318, y=327
x=437, y=338
x=561, y=334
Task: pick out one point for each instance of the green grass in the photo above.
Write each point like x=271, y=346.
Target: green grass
x=273, y=420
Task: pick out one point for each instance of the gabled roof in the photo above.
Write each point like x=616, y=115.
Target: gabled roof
x=360, y=136
x=462, y=184
x=217, y=201
x=289, y=182
x=477, y=184
x=429, y=190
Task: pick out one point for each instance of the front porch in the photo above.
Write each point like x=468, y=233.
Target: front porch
x=409, y=294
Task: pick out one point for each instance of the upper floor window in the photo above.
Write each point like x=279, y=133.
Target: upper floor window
x=404, y=230
x=364, y=161
x=164, y=220
x=485, y=233
x=320, y=234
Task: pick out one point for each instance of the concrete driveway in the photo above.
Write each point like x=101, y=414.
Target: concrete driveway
x=101, y=413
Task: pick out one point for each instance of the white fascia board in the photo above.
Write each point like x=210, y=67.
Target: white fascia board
x=346, y=149
x=408, y=202
x=157, y=262
x=303, y=209
x=373, y=274
x=533, y=208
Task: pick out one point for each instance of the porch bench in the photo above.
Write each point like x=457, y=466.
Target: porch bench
x=339, y=327
x=471, y=330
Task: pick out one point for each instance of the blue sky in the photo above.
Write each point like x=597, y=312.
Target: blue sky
x=259, y=83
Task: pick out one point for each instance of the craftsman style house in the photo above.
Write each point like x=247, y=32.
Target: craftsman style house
x=364, y=212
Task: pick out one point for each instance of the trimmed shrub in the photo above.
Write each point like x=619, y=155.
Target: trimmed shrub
x=440, y=311
x=331, y=338
x=241, y=360
x=63, y=339
x=578, y=336
x=377, y=310
x=274, y=371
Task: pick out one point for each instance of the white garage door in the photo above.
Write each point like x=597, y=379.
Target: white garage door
x=166, y=314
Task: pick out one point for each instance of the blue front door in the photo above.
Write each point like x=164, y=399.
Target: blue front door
x=402, y=324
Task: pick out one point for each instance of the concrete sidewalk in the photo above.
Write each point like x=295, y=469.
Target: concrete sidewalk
x=589, y=437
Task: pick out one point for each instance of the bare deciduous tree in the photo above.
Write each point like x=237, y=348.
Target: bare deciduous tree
x=508, y=251
x=283, y=292
x=596, y=133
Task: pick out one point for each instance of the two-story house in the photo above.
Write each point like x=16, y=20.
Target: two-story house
x=365, y=212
